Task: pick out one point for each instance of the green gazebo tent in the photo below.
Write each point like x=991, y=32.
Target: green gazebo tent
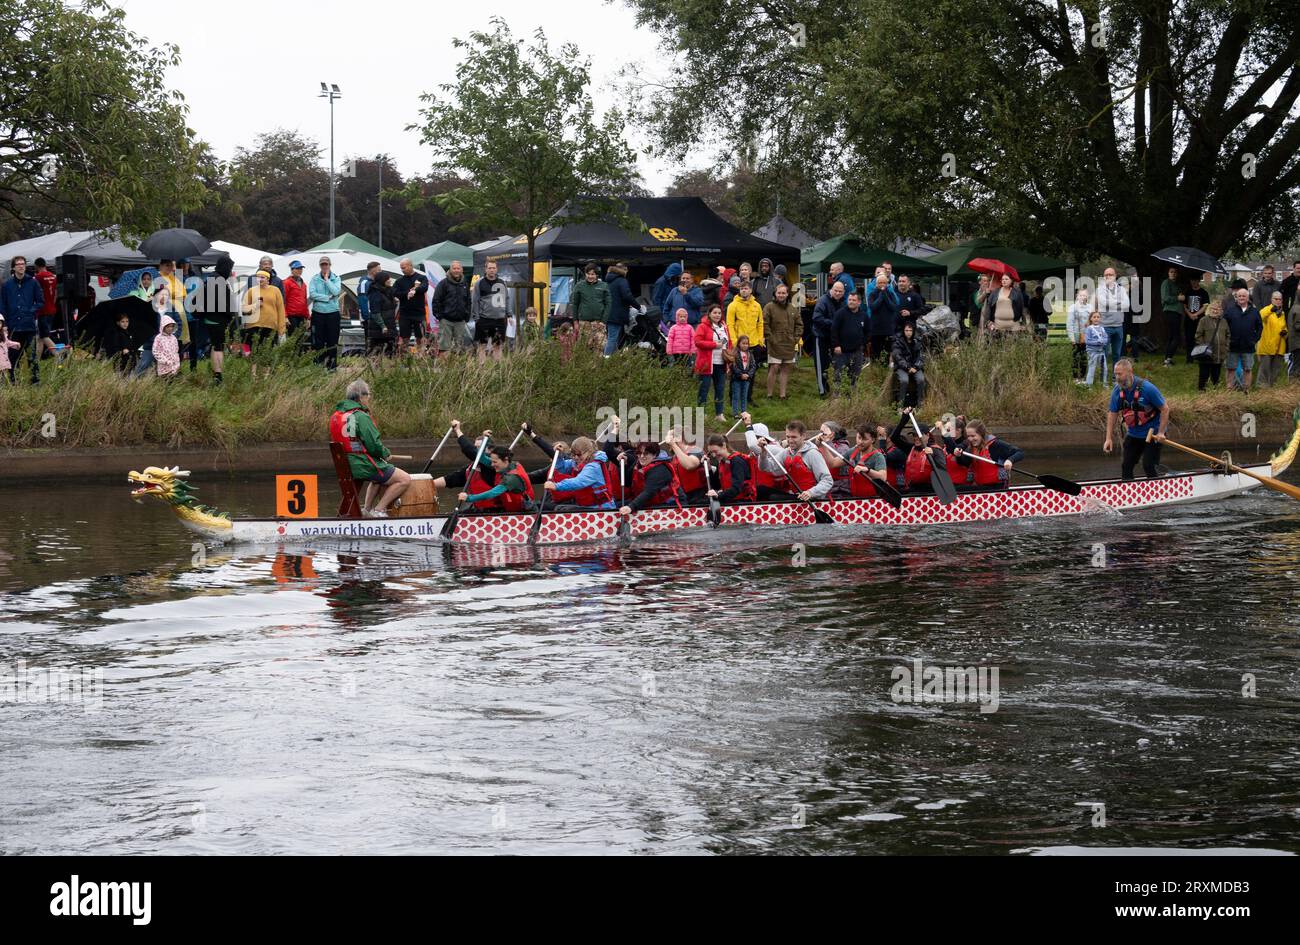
x=1029, y=265
x=444, y=254
x=860, y=259
x=350, y=242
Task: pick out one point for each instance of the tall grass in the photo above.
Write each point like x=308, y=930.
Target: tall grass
x=1022, y=382
x=1016, y=382
x=291, y=398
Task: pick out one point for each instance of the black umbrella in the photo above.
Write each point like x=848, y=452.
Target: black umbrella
x=1188, y=257
x=175, y=244
x=97, y=322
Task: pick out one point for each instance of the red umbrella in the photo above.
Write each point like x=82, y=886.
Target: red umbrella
x=994, y=267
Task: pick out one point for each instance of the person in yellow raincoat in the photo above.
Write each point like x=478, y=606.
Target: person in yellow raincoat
x=1271, y=348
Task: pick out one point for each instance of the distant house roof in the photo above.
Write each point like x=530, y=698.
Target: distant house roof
x=780, y=230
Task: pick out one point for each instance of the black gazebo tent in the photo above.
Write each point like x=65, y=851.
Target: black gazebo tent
x=677, y=230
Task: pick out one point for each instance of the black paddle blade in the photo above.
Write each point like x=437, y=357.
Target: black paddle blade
x=537, y=527
x=715, y=513
x=888, y=493
x=941, y=483
x=449, y=527
x=1057, y=484
x=625, y=528
x=820, y=516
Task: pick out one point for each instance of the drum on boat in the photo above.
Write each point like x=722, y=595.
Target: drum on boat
x=420, y=500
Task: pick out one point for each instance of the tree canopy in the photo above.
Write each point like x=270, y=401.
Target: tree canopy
x=518, y=126
x=1109, y=128
x=89, y=131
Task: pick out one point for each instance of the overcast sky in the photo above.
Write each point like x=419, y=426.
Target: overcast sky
x=265, y=70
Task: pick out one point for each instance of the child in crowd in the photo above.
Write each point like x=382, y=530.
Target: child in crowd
x=743, y=368
x=6, y=345
x=166, y=350
x=681, y=339
x=1094, y=340
x=118, y=347
x=1076, y=323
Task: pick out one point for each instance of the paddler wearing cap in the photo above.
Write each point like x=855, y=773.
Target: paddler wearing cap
x=654, y=480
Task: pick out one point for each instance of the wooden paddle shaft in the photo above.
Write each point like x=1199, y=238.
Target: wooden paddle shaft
x=399, y=456
x=1275, y=484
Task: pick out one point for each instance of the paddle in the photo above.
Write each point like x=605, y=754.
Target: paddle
x=820, y=517
x=733, y=428
x=399, y=456
x=516, y=439
x=450, y=526
x=1277, y=485
x=715, y=507
x=1055, y=483
x=541, y=503
x=883, y=489
x=441, y=444
x=940, y=481
x=624, y=521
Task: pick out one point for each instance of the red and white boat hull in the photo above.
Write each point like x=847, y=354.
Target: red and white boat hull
x=1020, y=502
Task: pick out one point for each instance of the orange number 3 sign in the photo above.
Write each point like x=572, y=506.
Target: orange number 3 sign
x=295, y=497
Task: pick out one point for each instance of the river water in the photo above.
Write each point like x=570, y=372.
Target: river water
x=719, y=693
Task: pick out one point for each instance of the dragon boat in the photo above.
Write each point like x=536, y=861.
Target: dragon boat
x=418, y=518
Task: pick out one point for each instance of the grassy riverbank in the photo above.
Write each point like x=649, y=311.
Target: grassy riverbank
x=1020, y=384
x=1023, y=383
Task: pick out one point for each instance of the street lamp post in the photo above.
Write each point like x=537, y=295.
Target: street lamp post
x=331, y=92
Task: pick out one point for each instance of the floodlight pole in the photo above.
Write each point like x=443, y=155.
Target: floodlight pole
x=331, y=91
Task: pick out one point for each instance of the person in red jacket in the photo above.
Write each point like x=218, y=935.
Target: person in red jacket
x=295, y=301
x=49, y=284
x=711, y=342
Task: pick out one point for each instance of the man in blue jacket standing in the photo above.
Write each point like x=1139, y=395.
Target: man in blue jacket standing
x=21, y=300
x=823, y=329
x=1244, y=328
x=621, y=302
x=686, y=294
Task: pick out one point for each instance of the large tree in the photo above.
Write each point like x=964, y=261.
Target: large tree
x=519, y=127
x=1100, y=128
x=89, y=131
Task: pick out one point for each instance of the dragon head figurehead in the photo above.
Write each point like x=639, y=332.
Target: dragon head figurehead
x=169, y=485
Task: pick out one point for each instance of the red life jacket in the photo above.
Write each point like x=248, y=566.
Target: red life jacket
x=1132, y=408
x=514, y=501
x=860, y=486
x=594, y=495
x=476, y=484
x=748, y=492
x=798, y=471
x=918, y=468
x=986, y=475
x=691, y=480
x=764, y=478
x=958, y=473
x=842, y=473
x=670, y=492
x=350, y=444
